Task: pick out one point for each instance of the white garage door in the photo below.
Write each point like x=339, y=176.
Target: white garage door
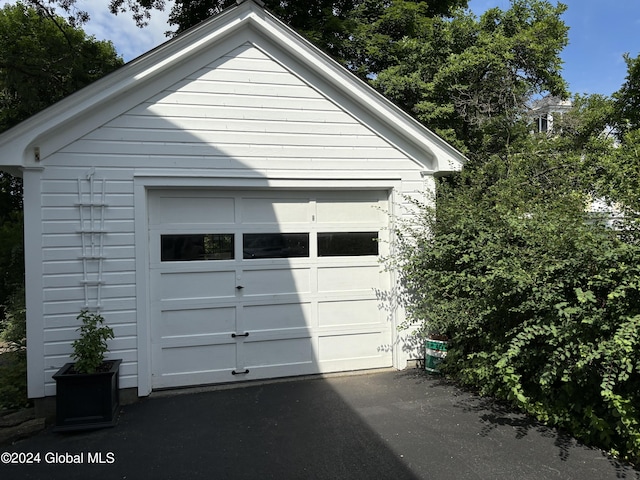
x=250, y=285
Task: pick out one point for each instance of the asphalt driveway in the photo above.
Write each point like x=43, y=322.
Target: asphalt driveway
x=385, y=425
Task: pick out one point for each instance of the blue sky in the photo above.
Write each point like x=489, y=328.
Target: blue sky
x=600, y=33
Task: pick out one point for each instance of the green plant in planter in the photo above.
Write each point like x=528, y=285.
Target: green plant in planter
x=90, y=348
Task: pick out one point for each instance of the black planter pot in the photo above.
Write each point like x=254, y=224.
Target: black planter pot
x=87, y=400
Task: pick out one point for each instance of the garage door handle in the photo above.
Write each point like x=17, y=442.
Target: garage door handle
x=239, y=287
x=234, y=335
x=240, y=373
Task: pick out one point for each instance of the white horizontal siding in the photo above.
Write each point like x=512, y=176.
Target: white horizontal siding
x=117, y=266
x=64, y=347
x=71, y=254
x=238, y=125
x=63, y=270
x=72, y=307
x=230, y=116
x=114, y=227
x=53, y=240
x=237, y=112
x=116, y=319
x=256, y=164
x=63, y=334
x=65, y=182
x=224, y=138
x=70, y=212
x=229, y=152
x=52, y=200
x=108, y=292
x=72, y=280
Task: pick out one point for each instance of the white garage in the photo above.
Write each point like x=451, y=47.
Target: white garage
x=224, y=202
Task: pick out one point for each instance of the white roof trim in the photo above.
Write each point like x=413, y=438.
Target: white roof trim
x=18, y=143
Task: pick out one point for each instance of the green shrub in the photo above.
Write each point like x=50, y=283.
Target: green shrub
x=13, y=380
x=541, y=302
x=90, y=348
x=13, y=363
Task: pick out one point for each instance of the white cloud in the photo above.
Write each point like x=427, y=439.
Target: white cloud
x=130, y=40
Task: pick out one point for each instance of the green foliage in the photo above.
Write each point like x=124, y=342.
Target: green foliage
x=312, y=16
x=43, y=59
x=468, y=79
x=13, y=380
x=540, y=300
x=90, y=348
x=618, y=173
x=11, y=242
x=13, y=329
x=627, y=115
x=13, y=363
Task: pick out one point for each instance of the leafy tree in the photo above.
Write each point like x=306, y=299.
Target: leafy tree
x=187, y=13
x=469, y=79
x=627, y=99
x=324, y=22
x=43, y=59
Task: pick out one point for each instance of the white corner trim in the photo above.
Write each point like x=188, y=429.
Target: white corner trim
x=141, y=245
x=33, y=279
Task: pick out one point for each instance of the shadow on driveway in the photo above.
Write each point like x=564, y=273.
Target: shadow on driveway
x=385, y=425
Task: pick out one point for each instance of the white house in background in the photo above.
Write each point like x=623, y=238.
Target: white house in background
x=543, y=112
x=545, y=109
x=217, y=200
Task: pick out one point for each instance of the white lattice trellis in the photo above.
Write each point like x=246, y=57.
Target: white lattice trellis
x=91, y=205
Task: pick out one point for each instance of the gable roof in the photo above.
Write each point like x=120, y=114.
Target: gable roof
x=88, y=108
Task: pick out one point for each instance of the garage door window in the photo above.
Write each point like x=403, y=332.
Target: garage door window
x=275, y=245
x=339, y=244
x=208, y=246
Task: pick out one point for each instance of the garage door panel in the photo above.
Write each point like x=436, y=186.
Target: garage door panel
x=187, y=285
x=278, y=371
x=275, y=317
x=276, y=282
x=278, y=352
x=349, y=279
x=196, y=303
x=198, y=358
x=193, y=378
x=355, y=346
x=351, y=364
x=349, y=211
x=280, y=334
x=276, y=212
x=349, y=313
x=200, y=321
x=197, y=340
x=193, y=209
